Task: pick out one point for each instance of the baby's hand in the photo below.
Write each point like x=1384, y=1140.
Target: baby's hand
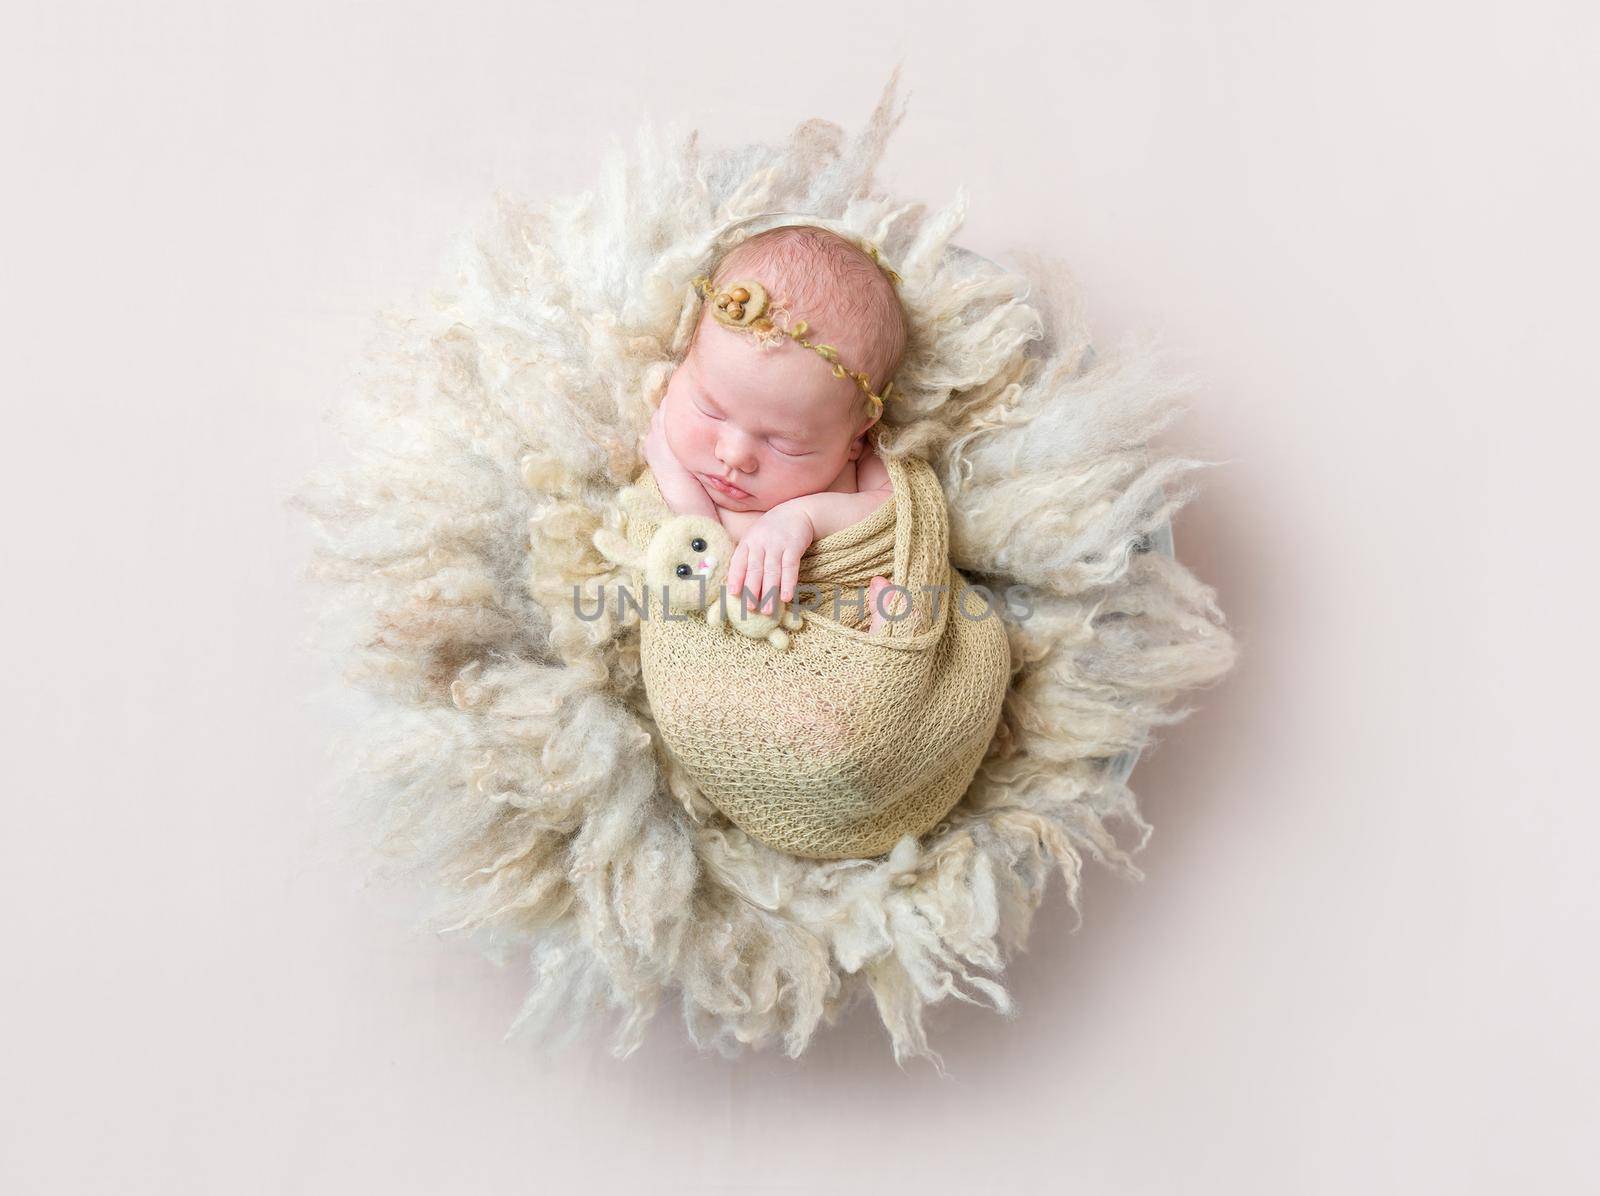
x=682, y=491
x=768, y=557
x=655, y=441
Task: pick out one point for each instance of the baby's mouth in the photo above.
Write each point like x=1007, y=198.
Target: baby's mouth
x=727, y=488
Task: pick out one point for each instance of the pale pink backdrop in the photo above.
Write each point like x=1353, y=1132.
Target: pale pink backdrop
x=1364, y=959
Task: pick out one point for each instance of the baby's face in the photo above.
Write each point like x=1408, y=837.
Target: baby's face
x=773, y=421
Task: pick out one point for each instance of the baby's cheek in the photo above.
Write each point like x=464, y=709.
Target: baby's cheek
x=682, y=429
x=698, y=441
x=676, y=437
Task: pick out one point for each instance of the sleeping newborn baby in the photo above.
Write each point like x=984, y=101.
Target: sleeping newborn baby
x=756, y=431
x=841, y=740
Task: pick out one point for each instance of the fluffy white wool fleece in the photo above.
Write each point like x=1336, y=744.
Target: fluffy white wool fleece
x=506, y=750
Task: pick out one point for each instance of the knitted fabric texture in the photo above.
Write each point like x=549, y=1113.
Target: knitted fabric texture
x=848, y=740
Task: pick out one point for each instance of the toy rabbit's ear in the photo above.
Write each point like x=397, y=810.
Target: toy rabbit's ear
x=614, y=546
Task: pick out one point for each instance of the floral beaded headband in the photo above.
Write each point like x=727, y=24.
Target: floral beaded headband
x=744, y=305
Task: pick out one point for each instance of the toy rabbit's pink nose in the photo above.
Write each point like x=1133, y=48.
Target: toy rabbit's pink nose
x=707, y=564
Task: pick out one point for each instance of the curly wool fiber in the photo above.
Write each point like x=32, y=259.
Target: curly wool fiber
x=507, y=754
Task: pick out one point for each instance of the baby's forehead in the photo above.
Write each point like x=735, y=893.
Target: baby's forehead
x=734, y=370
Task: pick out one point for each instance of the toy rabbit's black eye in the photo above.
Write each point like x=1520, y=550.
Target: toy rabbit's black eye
x=683, y=570
x=697, y=544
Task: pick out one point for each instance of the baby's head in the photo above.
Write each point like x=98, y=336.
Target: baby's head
x=772, y=418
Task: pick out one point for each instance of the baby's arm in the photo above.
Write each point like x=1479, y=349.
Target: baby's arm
x=682, y=490
x=831, y=511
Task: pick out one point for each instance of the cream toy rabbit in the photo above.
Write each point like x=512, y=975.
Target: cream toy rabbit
x=686, y=565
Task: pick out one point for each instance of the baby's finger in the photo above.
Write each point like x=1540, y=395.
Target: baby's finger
x=735, y=570
x=771, y=577
x=752, y=569
x=791, y=573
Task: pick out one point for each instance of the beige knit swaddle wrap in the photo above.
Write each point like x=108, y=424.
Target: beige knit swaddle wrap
x=846, y=741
